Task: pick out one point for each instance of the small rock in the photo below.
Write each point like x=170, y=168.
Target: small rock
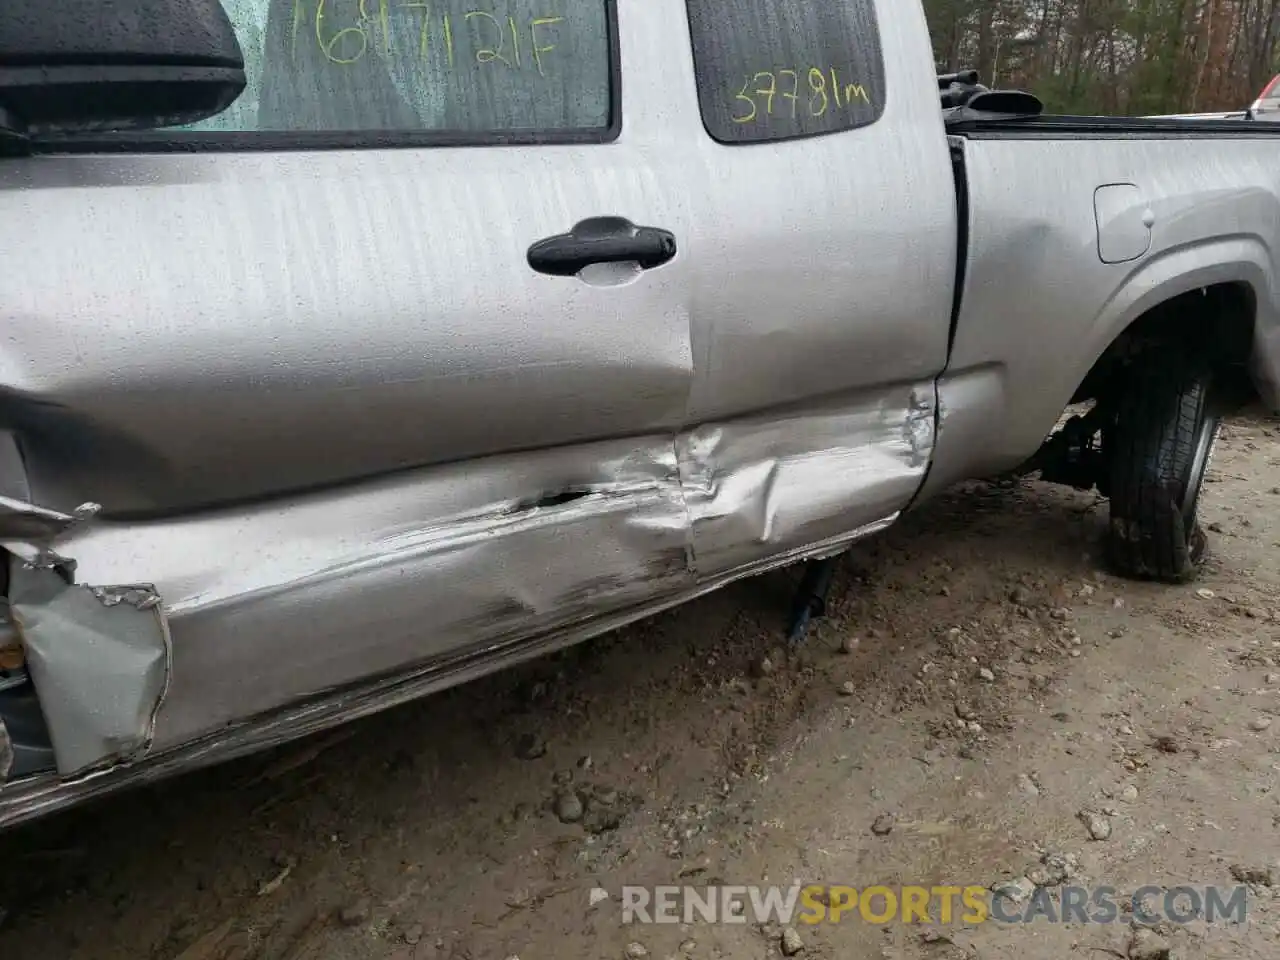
x=562, y=778
x=585, y=762
x=1260, y=876
x=1129, y=793
x=1015, y=891
x=602, y=820
x=530, y=746
x=1027, y=786
x=688, y=946
x=1053, y=869
x=1273, y=679
x=965, y=712
x=354, y=914
x=604, y=811
x=568, y=807
x=762, y=668
x=790, y=942
x=849, y=645
x=986, y=675
x=1042, y=877
x=884, y=824
x=413, y=934
x=1205, y=594
x=934, y=935
x=847, y=689
x=635, y=951
x=1021, y=596
x=1258, y=724
x=1060, y=613
x=1099, y=827
x=604, y=796
x=1148, y=945
x=1256, y=613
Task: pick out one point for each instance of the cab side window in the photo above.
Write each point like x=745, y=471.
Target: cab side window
x=781, y=69
x=468, y=69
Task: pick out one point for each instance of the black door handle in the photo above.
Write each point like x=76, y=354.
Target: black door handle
x=602, y=240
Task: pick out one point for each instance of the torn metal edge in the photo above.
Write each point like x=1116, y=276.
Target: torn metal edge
x=100, y=659
x=29, y=533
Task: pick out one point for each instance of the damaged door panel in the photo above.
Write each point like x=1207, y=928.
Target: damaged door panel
x=288, y=617
x=275, y=603
x=278, y=607
x=764, y=486
x=356, y=439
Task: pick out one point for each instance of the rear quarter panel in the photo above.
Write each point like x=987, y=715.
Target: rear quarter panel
x=1039, y=305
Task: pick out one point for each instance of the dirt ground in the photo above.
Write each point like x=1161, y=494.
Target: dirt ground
x=983, y=693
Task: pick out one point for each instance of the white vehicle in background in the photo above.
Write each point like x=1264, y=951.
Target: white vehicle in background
x=1235, y=115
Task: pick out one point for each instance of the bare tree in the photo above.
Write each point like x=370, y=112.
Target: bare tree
x=1115, y=56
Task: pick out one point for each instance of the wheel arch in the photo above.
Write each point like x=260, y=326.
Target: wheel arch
x=1214, y=296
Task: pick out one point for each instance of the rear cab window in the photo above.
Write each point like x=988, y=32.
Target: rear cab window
x=462, y=70
x=780, y=69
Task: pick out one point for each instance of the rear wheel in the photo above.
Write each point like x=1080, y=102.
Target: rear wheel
x=1159, y=446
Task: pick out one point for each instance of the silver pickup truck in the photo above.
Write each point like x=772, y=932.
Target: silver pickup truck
x=350, y=349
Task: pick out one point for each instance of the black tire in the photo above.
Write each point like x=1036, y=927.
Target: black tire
x=1159, y=446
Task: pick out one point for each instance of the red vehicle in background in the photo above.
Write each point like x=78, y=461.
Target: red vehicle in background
x=1267, y=106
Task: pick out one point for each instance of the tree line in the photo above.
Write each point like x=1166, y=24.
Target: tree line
x=1123, y=57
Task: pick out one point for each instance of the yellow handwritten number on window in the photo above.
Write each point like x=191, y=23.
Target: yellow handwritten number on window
x=823, y=93
x=794, y=95
x=742, y=95
x=818, y=86
x=336, y=42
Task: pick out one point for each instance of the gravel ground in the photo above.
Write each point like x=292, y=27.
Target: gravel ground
x=984, y=703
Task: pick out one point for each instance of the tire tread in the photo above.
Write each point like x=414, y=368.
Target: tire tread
x=1159, y=417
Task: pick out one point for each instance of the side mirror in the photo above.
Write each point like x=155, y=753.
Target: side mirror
x=78, y=66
